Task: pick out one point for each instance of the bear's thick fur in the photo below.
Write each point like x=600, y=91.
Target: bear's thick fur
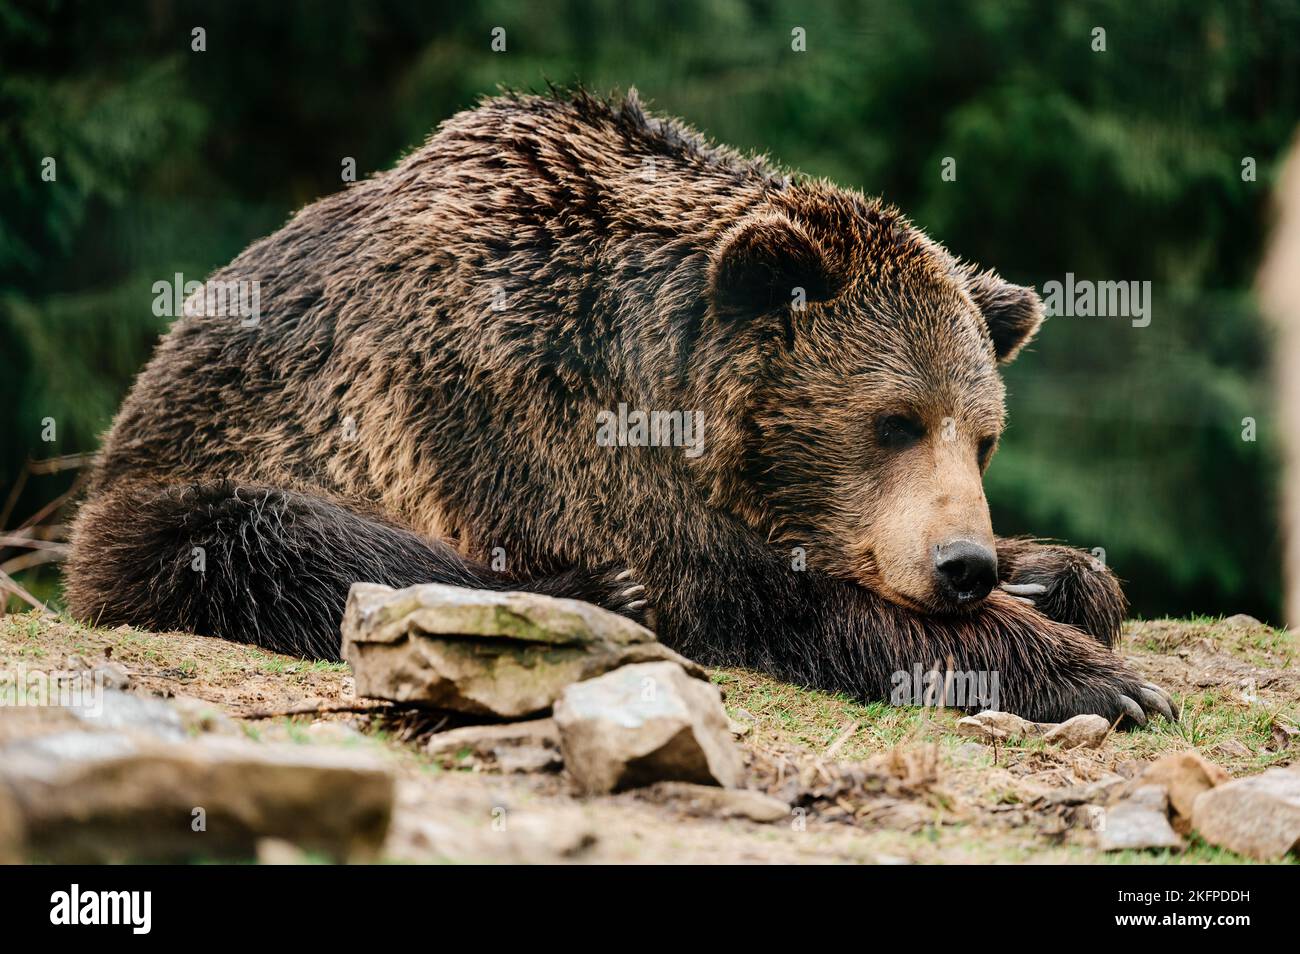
x=420, y=395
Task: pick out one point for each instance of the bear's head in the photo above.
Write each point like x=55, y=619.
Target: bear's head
x=879, y=401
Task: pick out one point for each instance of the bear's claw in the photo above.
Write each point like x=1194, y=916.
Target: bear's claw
x=1161, y=701
x=1025, y=589
x=1134, y=711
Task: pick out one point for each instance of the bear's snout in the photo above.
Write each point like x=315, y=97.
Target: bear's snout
x=965, y=571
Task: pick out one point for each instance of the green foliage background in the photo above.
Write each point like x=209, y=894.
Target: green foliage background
x=1115, y=165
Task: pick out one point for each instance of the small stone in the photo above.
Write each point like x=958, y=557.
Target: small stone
x=1241, y=621
x=1235, y=749
x=711, y=801
x=506, y=655
x=1258, y=817
x=1081, y=732
x=113, y=675
x=1130, y=768
x=999, y=726
x=277, y=851
x=1139, y=822
x=645, y=723
x=1184, y=775
x=532, y=746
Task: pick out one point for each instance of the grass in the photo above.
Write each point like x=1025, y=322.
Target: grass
x=1228, y=723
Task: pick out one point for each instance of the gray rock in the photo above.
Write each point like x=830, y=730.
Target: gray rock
x=646, y=723
x=1083, y=731
x=1258, y=816
x=993, y=725
x=113, y=710
x=94, y=797
x=1235, y=749
x=1184, y=775
x=507, y=655
x=532, y=746
x=1139, y=822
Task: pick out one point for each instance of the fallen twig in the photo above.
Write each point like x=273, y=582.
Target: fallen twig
x=35, y=558
x=53, y=465
x=7, y=582
x=29, y=542
x=844, y=736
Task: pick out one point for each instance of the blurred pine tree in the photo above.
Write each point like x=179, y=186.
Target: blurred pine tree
x=1120, y=165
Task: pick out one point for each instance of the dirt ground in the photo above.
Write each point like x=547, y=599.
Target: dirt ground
x=865, y=783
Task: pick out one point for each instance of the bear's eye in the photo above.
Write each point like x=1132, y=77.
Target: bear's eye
x=986, y=450
x=898, y=430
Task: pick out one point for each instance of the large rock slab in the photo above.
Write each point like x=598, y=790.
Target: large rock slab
x=96, y=797
x=1257, y=816
x=507, y=655
x=646, y=723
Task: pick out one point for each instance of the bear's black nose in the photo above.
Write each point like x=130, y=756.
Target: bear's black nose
x=966, y=571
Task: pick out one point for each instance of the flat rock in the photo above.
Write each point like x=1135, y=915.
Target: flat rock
x=646, y=723
x=713, y=802
x=1081, y=732
x=997, y=726
x=507, y=655
x=1235, y=749
x=96, y=797
x=1139, y=822
x=1184, y=775
x=115, y=710
x=1258, y=817
x=532, y=746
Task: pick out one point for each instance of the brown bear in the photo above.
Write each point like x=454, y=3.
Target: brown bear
x=447, y=377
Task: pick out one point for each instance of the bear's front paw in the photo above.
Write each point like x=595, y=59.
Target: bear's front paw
x=627, y=596
x=613, y=588
x=1127, y=701
x=1068, y=586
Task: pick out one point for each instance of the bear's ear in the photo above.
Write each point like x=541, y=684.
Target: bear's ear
x=1012, y=312
x=764, y=262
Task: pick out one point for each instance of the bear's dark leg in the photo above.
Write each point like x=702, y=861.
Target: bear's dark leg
x=1065, y=584
x=264, y=566
x=840, y=637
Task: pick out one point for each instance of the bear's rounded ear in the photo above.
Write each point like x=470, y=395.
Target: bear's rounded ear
x=1012, y=312
x=766, y=261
